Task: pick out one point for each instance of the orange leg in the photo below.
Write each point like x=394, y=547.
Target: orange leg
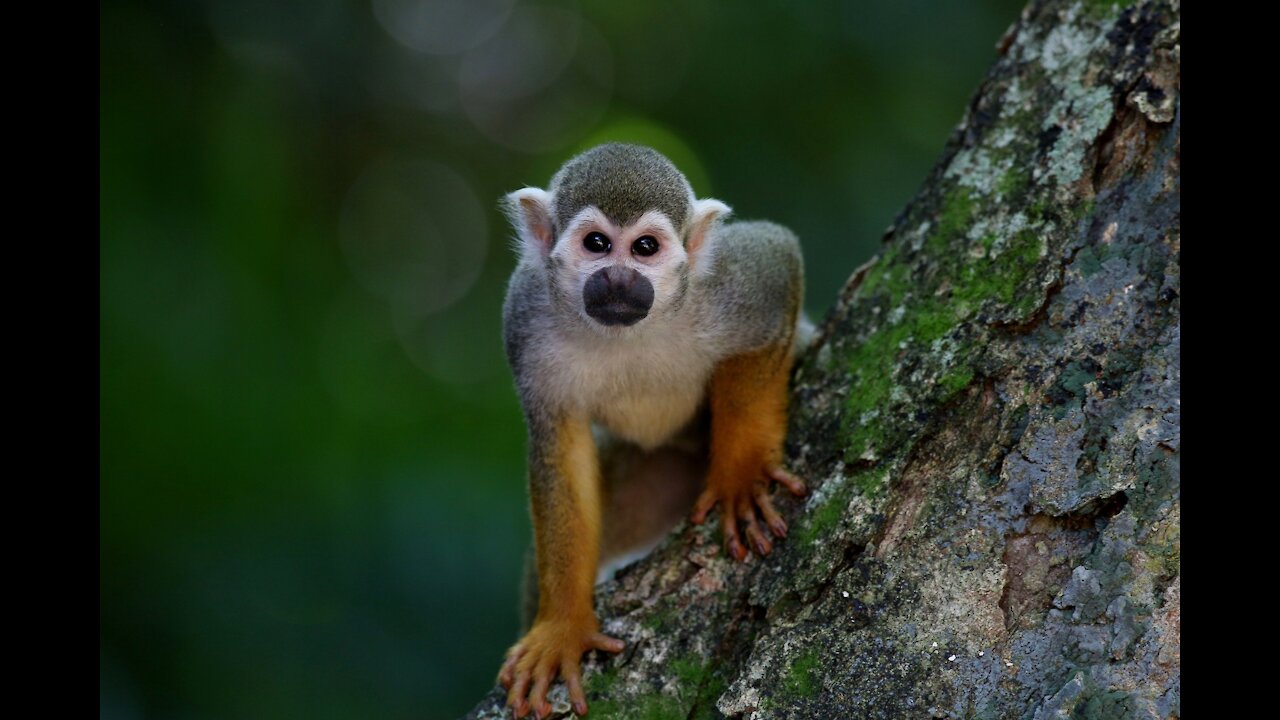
x=748, y=425
x=564, y=486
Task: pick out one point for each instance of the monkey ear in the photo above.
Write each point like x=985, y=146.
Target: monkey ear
x=529, y=210
x=700, y=245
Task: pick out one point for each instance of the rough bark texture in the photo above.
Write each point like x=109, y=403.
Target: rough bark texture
x=990, y=422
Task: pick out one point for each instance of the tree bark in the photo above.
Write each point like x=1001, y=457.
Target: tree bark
x=989, y=421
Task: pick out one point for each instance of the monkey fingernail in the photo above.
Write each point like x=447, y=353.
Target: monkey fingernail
x=580, y=708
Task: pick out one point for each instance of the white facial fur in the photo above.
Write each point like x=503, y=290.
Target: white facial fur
x=665, y=269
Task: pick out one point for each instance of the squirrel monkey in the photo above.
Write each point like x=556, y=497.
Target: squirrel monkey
x=652, y=346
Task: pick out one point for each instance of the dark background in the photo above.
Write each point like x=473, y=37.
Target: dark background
x=312, y=493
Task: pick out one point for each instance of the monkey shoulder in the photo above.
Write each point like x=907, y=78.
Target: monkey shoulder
x=756, y=283
x=761, y=235
x=757, y=256
x=525, y=314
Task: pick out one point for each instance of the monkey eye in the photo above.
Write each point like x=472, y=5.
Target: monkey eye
x=596, y=243
x=645, y=246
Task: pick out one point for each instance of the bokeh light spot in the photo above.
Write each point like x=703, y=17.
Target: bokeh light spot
x=542, y=81
x=414, y=234
x=441, y=27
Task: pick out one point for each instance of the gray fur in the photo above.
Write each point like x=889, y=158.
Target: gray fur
x=646, y=384
x=753, y=292
x=623, y=181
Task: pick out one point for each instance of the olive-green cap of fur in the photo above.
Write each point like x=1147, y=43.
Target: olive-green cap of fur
x=623, y=181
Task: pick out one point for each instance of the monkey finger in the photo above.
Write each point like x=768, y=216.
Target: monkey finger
x=793, y=483
x=732, y=543
x=507, y=674
x=736, y=549
x=573, y=682
x=600, y=641
x=771, y=516
x=706, y=501
x=759, y=540
x=538, y=693
x=516, y=696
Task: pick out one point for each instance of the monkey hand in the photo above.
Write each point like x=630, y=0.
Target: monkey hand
x=742, y=499
x=551, y=647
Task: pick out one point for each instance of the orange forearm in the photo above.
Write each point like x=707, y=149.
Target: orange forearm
x=564, y=488
x=748, y=414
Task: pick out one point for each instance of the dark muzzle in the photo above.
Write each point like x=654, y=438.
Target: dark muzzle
x=617, y=295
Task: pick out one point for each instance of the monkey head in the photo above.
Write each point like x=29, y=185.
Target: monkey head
x=618, y=233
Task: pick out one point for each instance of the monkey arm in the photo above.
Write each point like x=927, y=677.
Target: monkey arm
x=748, y=397
x=564, y=490
x=757, y=288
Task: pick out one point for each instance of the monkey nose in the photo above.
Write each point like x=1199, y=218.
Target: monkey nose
x=617, y=295
x=620, y=279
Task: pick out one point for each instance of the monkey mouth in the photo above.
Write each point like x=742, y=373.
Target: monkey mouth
x=617, y=313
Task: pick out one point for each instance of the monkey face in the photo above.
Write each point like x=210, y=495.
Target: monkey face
x=614, y=275
x=618, y=275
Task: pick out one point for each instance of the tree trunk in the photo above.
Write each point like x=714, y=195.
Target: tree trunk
x=989, y=419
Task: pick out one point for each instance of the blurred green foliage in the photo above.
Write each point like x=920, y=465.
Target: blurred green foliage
x=312, y=495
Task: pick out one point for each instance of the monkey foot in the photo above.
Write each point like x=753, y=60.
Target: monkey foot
x=742, y=503
x=551, y=647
